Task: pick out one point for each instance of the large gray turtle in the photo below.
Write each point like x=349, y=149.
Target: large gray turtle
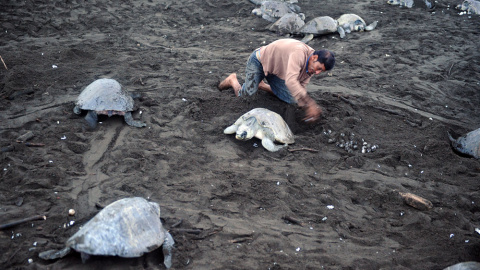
x=326, y=25
x=127, y=228
x=469, y=6
x=468, y=144
x=353, y=22
x=410, y=3
x=289, y=23
x=273, y=10
x=259, y=2
x=106, y=96
x=320, y=26
x=265, y=125
x=464, y=266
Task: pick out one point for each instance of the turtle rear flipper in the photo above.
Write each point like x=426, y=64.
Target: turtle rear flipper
x=54, y=254
x=371, y=26
x=129, y=120
x=271, y=146
x=167, y=250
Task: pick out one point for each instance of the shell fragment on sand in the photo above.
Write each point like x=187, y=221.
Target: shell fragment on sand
x=416, y=201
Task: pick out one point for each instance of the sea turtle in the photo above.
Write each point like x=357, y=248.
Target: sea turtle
x=326, y=25
x=469, y=6
x=353, y=22
x=410, y=3
x=464, y=266
x=468, y=144
x=289, y=23
x=259, y=2
x=106, y=96
x=265, y=125
x=402, y=3
x=273, y=10
x=320, y=26
x=127, y=228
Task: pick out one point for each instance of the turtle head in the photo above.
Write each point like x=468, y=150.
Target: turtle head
x=247, y=130
x=257, y=12
x=393, y=2
x=358, y=26
x=463, y=6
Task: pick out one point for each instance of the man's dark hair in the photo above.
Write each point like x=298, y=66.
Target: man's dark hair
x=327, y=58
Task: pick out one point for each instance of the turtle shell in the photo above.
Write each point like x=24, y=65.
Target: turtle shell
x=105, y=95
x=272, y=10
x=320, y=26
x=272, y=121
x=402, y=3
x=289, y=23
x=349, y=19
x=127, y=228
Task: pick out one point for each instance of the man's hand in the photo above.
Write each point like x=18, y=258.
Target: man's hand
x=312, y=113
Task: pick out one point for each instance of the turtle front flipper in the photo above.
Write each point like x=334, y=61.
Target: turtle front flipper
x=371, y=26
x=92, y=119
x=54, y=254
x=271, y=146
x=341, y=31
x=468, y=144
x=129, y=120
x=307, y=38
x=231, y=129
x=167, y=250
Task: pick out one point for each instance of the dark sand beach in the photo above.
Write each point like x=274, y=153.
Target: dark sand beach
x=231, y=204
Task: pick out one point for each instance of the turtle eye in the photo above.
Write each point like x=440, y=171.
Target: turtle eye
x=243, y=135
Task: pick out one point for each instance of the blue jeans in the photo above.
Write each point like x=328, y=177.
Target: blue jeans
x=254, y=75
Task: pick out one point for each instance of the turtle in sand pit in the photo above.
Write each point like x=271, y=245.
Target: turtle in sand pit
x=106, y=96
x=127, y=228
x=469, y=6
x=273, y=10
x=468, y=144
x=265, y=125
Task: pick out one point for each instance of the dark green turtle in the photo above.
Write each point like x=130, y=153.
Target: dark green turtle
x=126, y=228
x=106, y=96
x=468, y=144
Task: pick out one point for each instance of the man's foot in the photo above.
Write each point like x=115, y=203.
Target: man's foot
x=228, y=82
